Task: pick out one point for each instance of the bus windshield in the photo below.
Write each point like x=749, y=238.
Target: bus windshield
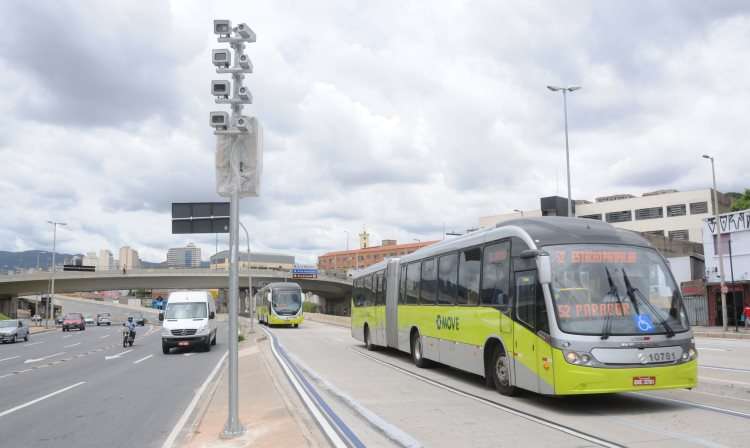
x=286, y=302
x=614, y=290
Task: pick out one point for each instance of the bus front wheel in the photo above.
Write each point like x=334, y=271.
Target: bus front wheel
x=417, y=355
x=500, y=372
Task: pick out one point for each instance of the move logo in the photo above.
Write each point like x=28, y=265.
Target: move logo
x=446, y=322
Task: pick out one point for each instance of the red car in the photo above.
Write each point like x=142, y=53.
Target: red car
x=73, y=320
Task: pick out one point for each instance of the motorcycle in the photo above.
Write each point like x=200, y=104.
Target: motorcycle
x=127, y=336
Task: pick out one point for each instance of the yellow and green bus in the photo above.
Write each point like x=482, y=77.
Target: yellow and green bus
x=553, y=305
x=280, y=304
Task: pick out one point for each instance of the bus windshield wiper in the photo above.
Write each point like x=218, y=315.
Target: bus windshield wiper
x=607, y=326
x=631, y=293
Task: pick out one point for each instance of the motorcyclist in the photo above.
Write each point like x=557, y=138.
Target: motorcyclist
x=130, y=325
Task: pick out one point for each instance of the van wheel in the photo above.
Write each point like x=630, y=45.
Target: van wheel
x=417, y=354
x=164, y=348
x=213, y=341
x=500, y=371
x=368, y=341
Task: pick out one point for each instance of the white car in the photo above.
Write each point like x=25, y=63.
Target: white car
x=88, y=319
x=188, y=321
x=12, y=330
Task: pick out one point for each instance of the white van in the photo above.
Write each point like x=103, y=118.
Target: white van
x=188, y=321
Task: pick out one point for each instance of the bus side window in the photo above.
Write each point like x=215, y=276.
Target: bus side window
x=496, y=275
x=542, y=320
x=447, y=279
x=402, y=286
x=412, y=282
x=526, y=297
x=428, y=289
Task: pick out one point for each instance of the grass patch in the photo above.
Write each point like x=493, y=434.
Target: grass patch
x=3, y=317
x=241, y=338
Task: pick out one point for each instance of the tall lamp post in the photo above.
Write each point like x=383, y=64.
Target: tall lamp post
x=565, y=91
x=347, y=239
x=50, y=304
x=719, y=248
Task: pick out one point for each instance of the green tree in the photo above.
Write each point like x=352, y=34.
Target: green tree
x=742, y=202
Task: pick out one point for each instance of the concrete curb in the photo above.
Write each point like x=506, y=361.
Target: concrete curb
x=721, y=334
x=341, y=321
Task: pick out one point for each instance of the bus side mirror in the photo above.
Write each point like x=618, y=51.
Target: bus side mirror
x=544, y=267
x=211, y=315
x=161, y=317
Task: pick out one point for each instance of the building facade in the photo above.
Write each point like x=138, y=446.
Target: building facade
x=184, y=257
x=676, y=215
x=256, y=260
x=346, y=260
x=106, y=261
x=129, y=258
x=91, y=259
x=735, y=243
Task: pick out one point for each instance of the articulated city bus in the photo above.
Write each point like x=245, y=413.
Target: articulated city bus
x=553, y=305
x=280, y=304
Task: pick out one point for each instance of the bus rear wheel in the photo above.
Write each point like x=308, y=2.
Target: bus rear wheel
x=417, y=355
x=368, y=341
x=500, y=372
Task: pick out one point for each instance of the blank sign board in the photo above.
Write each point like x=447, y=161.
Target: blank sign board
x=200, y=217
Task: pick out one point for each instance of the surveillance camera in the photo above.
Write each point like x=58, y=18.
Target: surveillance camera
x=245, y=62
x=222, y=27
x=220, y=88
x=221, y=58
x=219, y=120
x=246, y=32
x=242, y=123
x=245, y=94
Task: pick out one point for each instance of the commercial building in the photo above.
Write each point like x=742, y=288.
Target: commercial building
x=735, y=241
x=91, y=259
x=346, y=260
x=186, y=257
x=106, y=261
x=256, y=260
x=129, y=258
x=675, y=215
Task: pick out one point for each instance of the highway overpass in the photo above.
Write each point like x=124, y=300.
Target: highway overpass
x=330, y=288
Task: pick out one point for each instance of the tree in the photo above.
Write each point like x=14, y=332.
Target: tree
x=742, y=202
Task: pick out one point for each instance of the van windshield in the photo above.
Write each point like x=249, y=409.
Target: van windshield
x=194, y=310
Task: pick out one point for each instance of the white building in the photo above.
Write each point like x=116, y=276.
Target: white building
x=189, y=256
x=106, y=261
x=735, y=240
x=676, y=215
x=129, y=258
x=90, y=259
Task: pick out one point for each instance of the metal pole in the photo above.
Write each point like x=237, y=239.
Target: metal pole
x=720, y=250
x=734, y=293
x=52, y=272
x=249, y=281
x=347, y=239
x=567, y=150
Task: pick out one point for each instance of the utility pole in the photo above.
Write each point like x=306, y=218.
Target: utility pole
x=565, y=91
x=719, y=248
x=50, y=299
x=239, y=164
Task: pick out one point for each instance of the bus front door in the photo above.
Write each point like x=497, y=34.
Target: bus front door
x=525, y=338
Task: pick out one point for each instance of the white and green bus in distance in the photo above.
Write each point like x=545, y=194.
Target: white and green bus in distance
x=553, y=305
x=280, y=304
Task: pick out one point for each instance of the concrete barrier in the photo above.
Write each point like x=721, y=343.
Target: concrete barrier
x=341, y=321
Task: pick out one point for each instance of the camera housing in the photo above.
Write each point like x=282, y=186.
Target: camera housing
x=244, y=94
x=219, y=120
x=246, y=33
x=221, y=88
x=242, y=123
x=221, y=58
x=223, y=27
x=245, y=62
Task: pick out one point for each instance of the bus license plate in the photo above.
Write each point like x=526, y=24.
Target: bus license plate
x=644, y=381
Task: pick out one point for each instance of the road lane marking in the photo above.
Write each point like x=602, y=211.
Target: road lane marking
x=189, y=410
x=726, y=369
x=24, y=371
x=188, y=354
x=67, y=336
x=107, y=358
x=142, y=359
x=37, y=400
x=34, y=343
x=714, y=349
x=105, y=336
x=8, y=359
x=71, y=345
x=7, y=375
x=719, y=380
x=43, y=357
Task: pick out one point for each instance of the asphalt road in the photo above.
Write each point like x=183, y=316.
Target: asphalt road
x=83, y=389
x=452, y=409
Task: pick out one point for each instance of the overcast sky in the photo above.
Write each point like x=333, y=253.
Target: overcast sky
x=399, y=116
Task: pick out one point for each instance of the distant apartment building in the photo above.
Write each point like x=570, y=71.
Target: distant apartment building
x=129, y=258
x=106, y=261
x=91, y=259
x=672, y=214
x=256, y=260
x=184, y=257
x=345, y=260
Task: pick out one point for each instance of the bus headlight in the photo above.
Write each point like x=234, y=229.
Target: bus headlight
x=689, y=355
x=578, y=358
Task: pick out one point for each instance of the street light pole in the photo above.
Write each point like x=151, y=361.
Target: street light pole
x=50, y=304
x=565, y=91
x=719, y=248
x=249, y=281
x=347, y=239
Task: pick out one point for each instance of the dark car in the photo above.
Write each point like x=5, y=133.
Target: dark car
x=139, y=319
x=73, y=320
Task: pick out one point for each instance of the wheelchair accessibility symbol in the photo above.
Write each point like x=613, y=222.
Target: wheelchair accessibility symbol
x=643, y=322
